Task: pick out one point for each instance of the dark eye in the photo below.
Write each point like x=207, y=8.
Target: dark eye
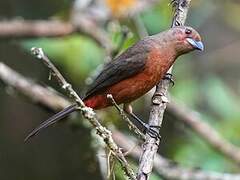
x=188, y=31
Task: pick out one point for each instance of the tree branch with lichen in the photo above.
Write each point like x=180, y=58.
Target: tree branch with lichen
x=87, y=113
x=159, y=102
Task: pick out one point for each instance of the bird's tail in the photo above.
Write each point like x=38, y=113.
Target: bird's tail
x=52, y=120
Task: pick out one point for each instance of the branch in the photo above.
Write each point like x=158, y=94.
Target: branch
x=210, y=135
x=25, y=29
x=52, y=28
x=28, y=88
x=159, y=102
x=84, y=20
x=88, y=113
x=38, y=52
x=125, y=118
x=164, y=167
x=167, y=168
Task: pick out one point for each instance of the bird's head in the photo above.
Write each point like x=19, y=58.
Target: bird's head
x=186, y=39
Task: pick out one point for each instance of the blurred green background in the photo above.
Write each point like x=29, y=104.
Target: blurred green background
x=208, y=82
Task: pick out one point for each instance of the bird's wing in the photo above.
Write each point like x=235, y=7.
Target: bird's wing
x=129, y=63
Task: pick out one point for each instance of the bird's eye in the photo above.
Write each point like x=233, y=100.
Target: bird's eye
x=188, y=31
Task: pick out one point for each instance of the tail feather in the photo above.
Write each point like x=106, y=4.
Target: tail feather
x=52, y=120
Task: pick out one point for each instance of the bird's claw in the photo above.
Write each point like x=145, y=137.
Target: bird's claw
x=153, y=131
x=169, y=77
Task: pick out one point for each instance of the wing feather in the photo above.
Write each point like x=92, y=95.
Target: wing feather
x=129, y=63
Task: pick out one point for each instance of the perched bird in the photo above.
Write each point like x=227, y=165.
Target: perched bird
x=134, y=72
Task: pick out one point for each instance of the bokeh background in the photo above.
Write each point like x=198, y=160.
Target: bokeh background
x=207, y=82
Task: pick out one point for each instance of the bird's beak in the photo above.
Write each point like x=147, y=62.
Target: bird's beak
x=196, y=44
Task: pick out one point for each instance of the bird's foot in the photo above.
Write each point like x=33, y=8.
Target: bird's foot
x=152, y=131
x=169, y=77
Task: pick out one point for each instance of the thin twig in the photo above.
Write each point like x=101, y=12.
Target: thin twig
x=88, y=113
x=159, y=102
x=167, y=168
x=125, y=118
x=19, y=28
x=37, y=93
x=86, y=22
x=142, y=31
x=109, y=168
x=210, y=135
x=125, y=33
x=163, y=166
x=38, y=52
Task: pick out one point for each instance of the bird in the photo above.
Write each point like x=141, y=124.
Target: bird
x=134, y=72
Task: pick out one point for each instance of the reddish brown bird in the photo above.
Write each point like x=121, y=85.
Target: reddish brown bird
x=135, y=71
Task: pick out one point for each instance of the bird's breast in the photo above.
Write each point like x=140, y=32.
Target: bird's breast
x=157, y=64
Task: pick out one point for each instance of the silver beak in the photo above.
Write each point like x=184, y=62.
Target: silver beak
x=196, y=44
